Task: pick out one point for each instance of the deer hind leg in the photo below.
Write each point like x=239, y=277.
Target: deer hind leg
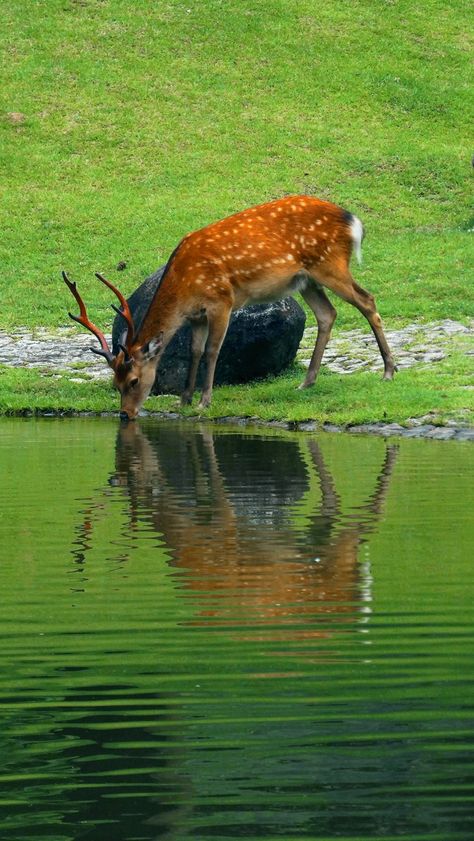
x=325, y=314
x=218, y=318
x=200, y=331
x=345, y=286
x=365, y=303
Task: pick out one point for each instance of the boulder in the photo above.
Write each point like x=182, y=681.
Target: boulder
x=262, y=340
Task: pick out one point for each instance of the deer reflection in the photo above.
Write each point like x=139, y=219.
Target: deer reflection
x=253, y=524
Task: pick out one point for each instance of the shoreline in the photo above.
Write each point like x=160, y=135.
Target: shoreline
x=418, y=428
x=65, y=354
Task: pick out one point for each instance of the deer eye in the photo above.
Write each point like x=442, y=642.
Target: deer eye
x=133, y=383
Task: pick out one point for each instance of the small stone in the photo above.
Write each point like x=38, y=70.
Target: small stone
x=331, y=427
x=406, y=361
x=307, y=426
x=373, y=428
x=418, y=432
x=464, y=435
x=441, y=433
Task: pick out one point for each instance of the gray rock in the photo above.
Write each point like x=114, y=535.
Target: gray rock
x=385, y=429
x=262, y=340
x=441, y=433
x=420, y=431
x=307, y=426
x=363, y=428
x=465, y=434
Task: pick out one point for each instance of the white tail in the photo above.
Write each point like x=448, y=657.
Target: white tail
x=357, y=231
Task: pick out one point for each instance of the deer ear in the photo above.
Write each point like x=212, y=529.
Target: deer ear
x=151, y=348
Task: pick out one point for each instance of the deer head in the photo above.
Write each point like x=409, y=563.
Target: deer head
x=134, y=365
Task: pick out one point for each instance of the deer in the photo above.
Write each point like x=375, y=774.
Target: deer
x=265, y=253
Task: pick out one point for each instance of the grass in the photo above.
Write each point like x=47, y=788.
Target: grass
x=358, y=398
x=125, y=125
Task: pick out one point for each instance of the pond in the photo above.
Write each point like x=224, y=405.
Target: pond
x=215, y=633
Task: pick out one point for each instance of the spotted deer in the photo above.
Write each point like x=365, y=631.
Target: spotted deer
x=294, y=244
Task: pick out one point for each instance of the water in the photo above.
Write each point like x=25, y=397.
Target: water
x=215, y=634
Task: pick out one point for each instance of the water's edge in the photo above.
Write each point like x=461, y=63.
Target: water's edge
x=415, y=344
x=419, y=428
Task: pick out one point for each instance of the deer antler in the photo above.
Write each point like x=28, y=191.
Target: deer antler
x=124, y=312
x=84, y=320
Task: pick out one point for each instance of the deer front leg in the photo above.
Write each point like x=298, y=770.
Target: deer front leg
x=200, y=331
x=218, y=323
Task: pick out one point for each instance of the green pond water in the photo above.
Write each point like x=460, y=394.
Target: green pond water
x=210, y=633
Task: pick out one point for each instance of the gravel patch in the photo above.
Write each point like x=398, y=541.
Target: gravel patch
x=415, y=344
x=61, y=351
x=352, y=350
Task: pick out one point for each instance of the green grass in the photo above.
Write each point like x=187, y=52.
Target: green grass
x=444, y=391
x=125, y=125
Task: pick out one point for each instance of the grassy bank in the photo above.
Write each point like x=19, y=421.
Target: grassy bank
x=124, y=126
x=440, y=391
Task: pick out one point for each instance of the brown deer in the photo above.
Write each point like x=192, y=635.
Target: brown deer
x=294, y=244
